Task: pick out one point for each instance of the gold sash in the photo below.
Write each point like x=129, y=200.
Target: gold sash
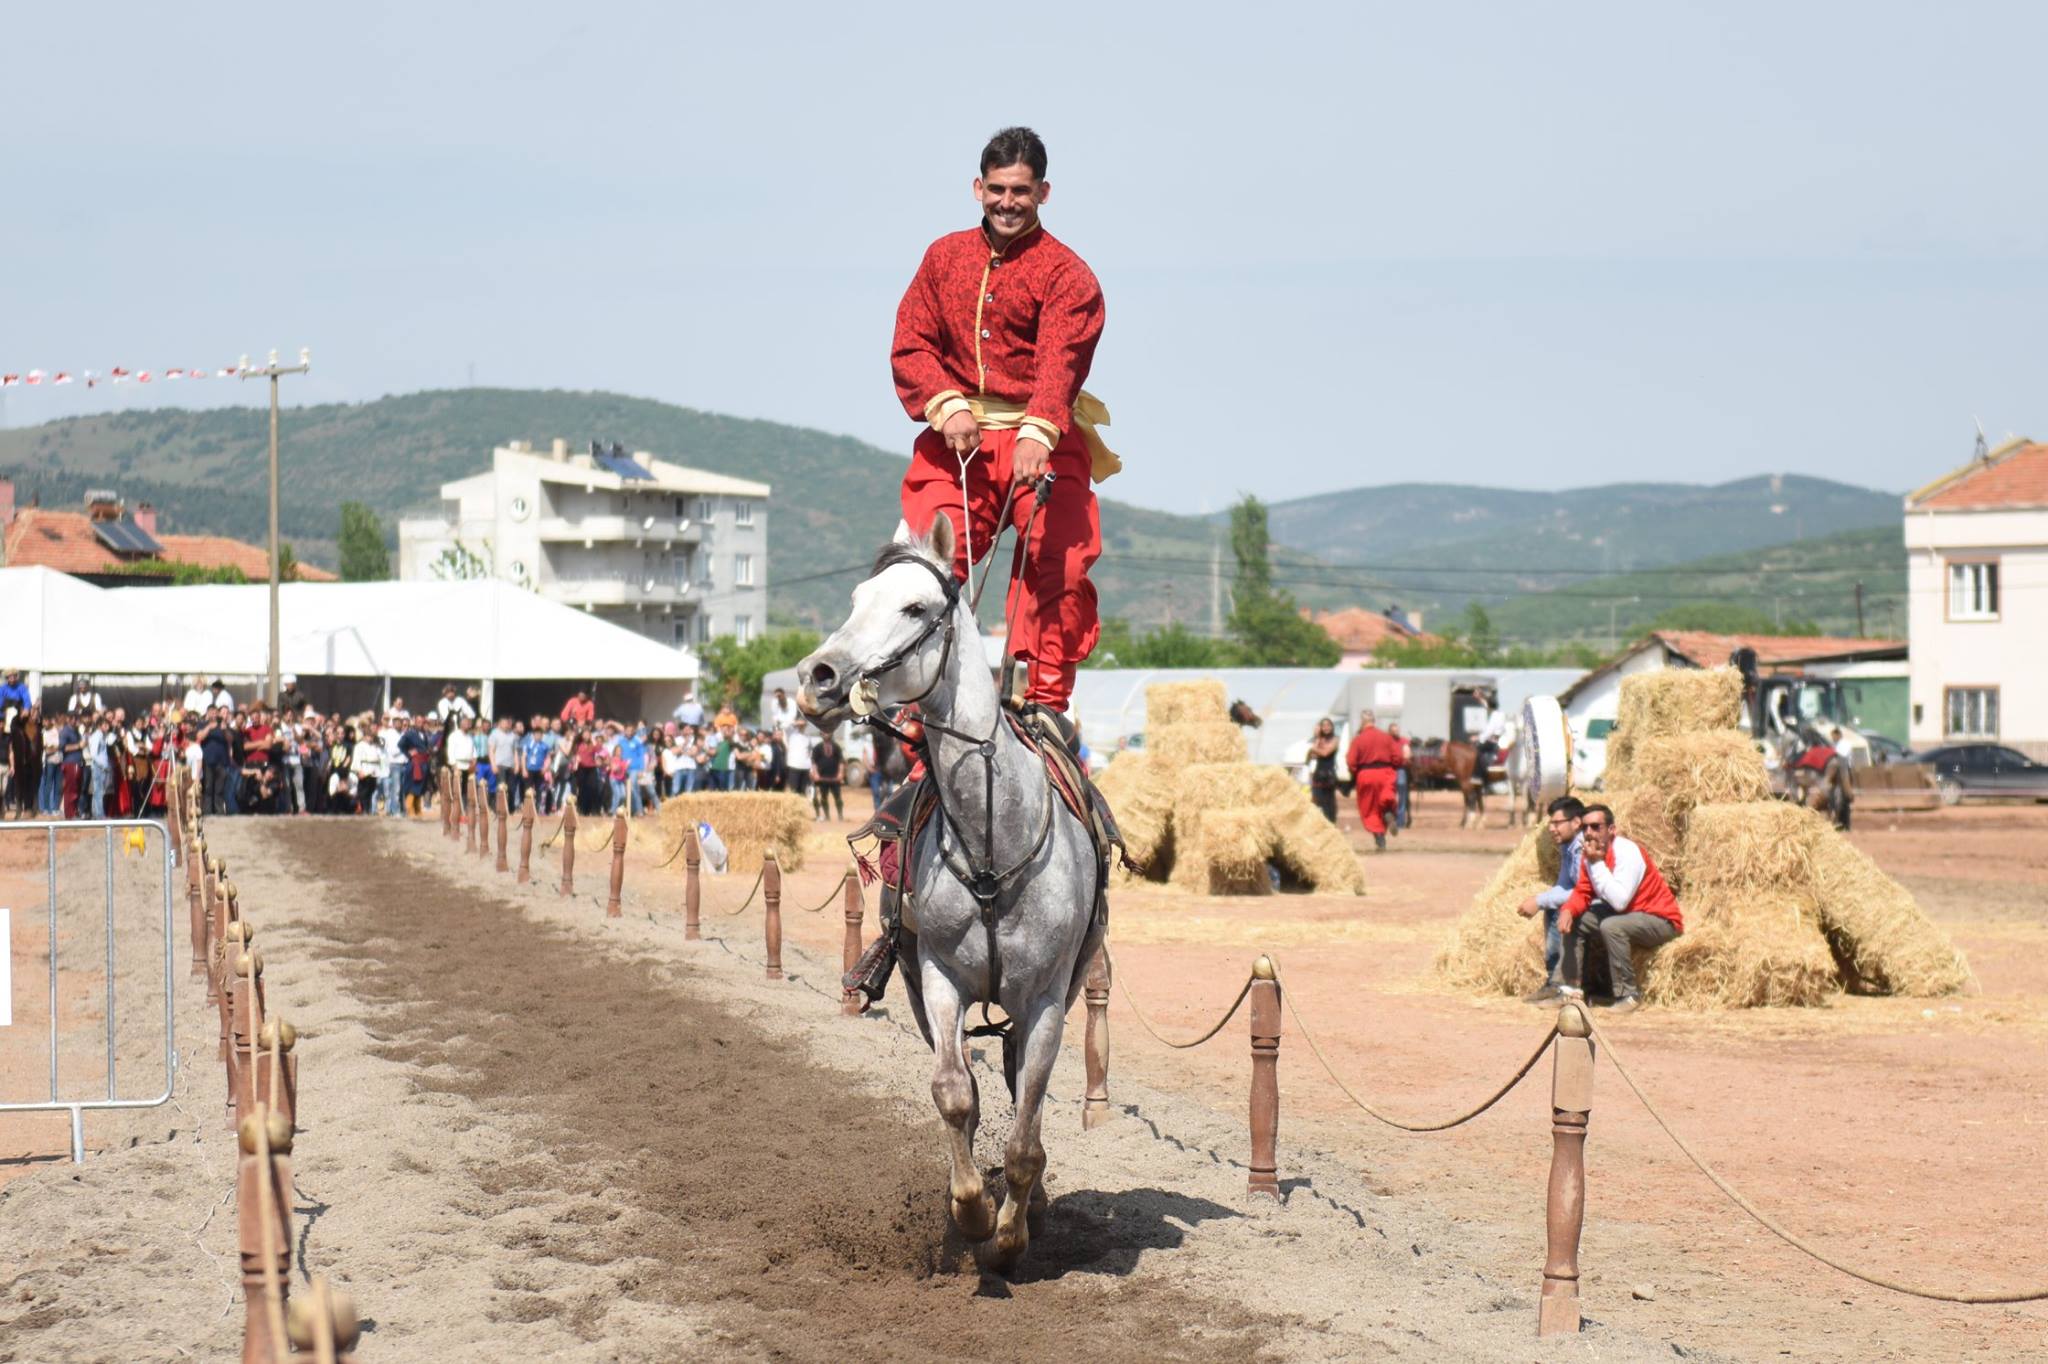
x=996, y=414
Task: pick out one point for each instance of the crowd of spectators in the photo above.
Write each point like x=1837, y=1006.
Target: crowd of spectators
x=93, y=761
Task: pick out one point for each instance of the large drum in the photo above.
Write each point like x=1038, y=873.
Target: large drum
x=1542, y=756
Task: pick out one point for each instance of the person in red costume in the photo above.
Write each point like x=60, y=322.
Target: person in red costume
x=1372, y=758
x=994, y=339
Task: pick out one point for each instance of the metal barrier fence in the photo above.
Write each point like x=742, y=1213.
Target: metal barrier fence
x=77, y=1107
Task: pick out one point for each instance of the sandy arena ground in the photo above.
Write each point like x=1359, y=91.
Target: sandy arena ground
x=531, y=1130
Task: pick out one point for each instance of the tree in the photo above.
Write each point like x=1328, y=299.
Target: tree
x=364, y=559
x=734, y=671
x=1168, y=646
x=287, y=562
x=459, y=561
x=1266, y=623
x=1480, y=635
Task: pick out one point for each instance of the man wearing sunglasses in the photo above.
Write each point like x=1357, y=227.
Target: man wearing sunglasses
x=1621, y=899
x=1565, y=814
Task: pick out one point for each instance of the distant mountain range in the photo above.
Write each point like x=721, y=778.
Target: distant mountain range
x=1425, y=546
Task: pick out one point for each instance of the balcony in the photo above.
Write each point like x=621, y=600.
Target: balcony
x=628, y=530
x=620, y=589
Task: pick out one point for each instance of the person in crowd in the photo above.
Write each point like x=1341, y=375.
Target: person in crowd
x=1564, y=815
x=291, y=743
x=647, y=783
x=394, y=768
x=462, y=753
x=84, y=701
x=501, y=750
x=100, y=747
x=341, y=782
x=198, y=697
x=416, y=776
x=1492, y=731
x=313, y=742
x=1371, y=758
x=722, y=749
x=217, y=758
x=452, y=706
x=796, y=748
x=1622, y=900
x=50, y=796
x=1404, y=752
x=727, y=720
x=71, y=748
x=534, y=749
x=367, y=760
x=781, y=711
x=219, y=698
x=579, y=710
x=827, y=774
x=1322, y=768
x=690, y=714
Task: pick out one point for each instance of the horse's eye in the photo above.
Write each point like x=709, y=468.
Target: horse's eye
x=914, y=610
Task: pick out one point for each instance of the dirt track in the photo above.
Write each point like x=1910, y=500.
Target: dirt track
x=535, y=1133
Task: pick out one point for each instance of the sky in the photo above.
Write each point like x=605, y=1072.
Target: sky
x=1341, y=244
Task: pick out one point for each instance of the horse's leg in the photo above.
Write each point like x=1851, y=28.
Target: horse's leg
x=1024, y=1157
x=974, y=1210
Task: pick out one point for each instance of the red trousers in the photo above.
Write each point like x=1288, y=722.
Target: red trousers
x=1375, y=786
x=1051, y=607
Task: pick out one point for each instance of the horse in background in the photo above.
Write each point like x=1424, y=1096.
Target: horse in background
x=1449, y=762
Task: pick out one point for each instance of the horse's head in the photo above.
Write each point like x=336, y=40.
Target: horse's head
x=900, y=637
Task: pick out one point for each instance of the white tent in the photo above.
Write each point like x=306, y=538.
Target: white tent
x=51, y=622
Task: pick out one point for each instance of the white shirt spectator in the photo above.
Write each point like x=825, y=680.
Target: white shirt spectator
x=454, y=705
x=368, y=758
x=221, y=698
x=99, y=749
x=691, y=713
x=1495, y=729
x=781, y=714
x=388, y=737
x=461, y=751
x=85, y=703
x=797, y=749
x=196, y=700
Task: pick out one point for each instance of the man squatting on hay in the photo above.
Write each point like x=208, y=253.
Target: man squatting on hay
x=1565, y=814
x=1623, y=899
x=994, y=339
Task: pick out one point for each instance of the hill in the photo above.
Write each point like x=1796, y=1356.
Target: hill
x=834, y=503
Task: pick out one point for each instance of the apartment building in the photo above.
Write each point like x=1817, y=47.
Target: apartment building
x=677, y=554
x=1977, y=584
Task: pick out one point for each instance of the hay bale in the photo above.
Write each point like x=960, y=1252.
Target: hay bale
x=750, y=822
x=1743, y=950
x=1211, y=741
x=1184, y=703
x=1493, y=950
x=1710, y=767
x=1678, y=701
x=1882, y=941
x=1760, y=847
x=1314, y=851
x=1224, y=853
x=1142, y=800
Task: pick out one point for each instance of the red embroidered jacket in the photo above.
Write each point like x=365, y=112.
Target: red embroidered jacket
x=1020, y=325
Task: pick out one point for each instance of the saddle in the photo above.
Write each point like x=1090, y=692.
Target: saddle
x=901, y=818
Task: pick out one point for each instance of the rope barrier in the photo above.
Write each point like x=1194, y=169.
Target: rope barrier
x=1374, y=1113
x=1228, y=1014
x=678, y=852
x=1764, y=1221
x=559, y=826
x=758, y=877
x=273, y=1301
x=837, y=886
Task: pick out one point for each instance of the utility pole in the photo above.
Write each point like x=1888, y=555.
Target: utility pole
x=273, y=372
x=1215, y=589
x=1859, y=611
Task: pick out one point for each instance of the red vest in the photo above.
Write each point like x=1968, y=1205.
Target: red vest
x=1653, y=895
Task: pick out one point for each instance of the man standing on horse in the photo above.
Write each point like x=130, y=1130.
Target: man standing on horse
x=1372, y=757
x=994, y=339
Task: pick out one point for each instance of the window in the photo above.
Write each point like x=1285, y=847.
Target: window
x=742, y=570
x=707, y=507
x=1973, y=591
x=679, y=632
x=679, y=565
x=682, y=509
x=704, y=627
x=742, y=629
x=743, y=512
x=1972, y=713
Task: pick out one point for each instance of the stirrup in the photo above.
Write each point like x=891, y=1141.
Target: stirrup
x=1053, y=724
x=870, y=974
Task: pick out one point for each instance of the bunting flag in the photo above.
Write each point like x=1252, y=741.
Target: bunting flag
x=92, y=378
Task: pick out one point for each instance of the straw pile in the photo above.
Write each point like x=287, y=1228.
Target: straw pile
x=750, y=822
x=1202, y=818
x=1779, y=908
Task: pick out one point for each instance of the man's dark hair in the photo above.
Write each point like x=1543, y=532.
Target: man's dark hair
x=1600, y=810
x=1571, y=807
x=1013, y=146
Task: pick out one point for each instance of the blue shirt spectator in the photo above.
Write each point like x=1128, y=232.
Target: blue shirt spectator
x=534, y=751
x=634, y=749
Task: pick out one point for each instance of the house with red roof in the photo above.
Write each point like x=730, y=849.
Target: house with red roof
x=108, y=546
x=1977, y=586
x=1360, y=632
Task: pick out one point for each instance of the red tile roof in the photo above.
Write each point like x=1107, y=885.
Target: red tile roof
x=2014, y=475
x=1711, y=650
x=1359, y=631
x=65, y=541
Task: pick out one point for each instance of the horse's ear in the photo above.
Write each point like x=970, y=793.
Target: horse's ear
x=939, y=540
x=902, y=535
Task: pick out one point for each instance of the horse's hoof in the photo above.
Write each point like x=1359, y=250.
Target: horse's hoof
x=976, y=1217
x=1002, y=1254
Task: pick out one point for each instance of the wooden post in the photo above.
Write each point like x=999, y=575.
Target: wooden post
x=446, y=787
x=281, y=1096
x=322, y=1324
x=245, y=1000
x=195, y=857
x=229, y=936
x=852, y=1002
x=260, y=1344
x=1095, y=1107
x=480, y=813
x=209, y=896
x=526, y=818
x=1264, y=1178
x=569, y=847
x=1571, y=1104
x=171, y=817
x=499, y=808
x=611, y=905
x=771, y=897
x=693, y=884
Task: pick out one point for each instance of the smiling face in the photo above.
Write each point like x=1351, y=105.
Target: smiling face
x=1009, y=197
